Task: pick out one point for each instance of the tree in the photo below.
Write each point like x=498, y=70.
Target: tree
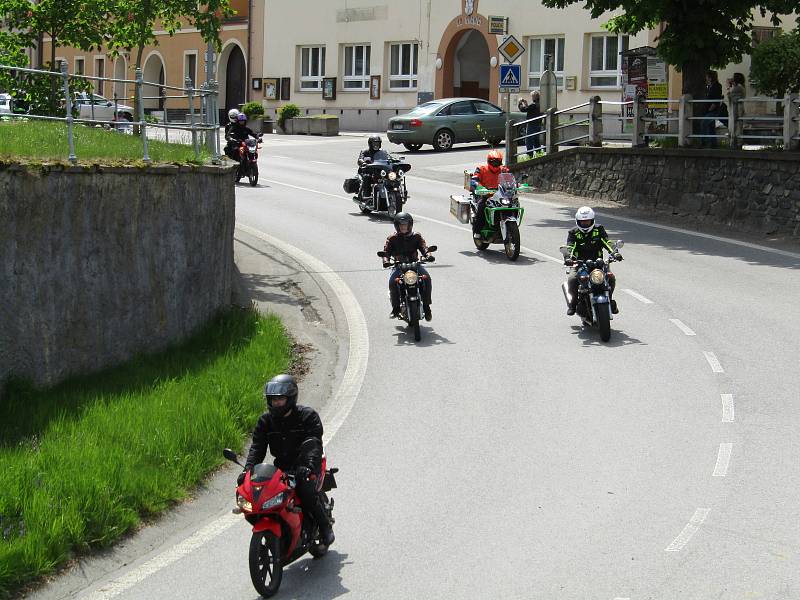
x=775, y=66
x=697, y=34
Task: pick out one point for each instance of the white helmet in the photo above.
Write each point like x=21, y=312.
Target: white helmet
x=584, y=219
x=233, y=114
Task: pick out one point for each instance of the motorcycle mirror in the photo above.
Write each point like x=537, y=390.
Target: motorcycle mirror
x=382, y=254
x=620, y=243
x=231, y=456
x=432, y=248
x=564, y=250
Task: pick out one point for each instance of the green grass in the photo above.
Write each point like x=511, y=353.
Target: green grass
x=48, y=140
x=82, y=463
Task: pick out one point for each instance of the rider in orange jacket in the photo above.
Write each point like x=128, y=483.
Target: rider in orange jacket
x=487, y=176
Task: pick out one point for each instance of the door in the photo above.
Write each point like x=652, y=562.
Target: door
x=464, y=120
x=491, y=118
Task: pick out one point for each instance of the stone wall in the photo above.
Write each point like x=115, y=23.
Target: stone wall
x=98, y=264
x=751, y=191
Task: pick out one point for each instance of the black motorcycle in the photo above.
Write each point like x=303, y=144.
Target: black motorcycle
x=594, y=302
x=410, y=284
x=381, y=184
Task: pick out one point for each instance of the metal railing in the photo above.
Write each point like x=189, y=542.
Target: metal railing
x=202, y=126
x=646, y=126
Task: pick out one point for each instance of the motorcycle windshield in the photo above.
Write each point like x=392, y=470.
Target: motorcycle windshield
x=506, y=185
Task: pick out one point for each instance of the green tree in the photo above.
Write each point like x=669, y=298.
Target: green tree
x=775, y=66
x=697, y=34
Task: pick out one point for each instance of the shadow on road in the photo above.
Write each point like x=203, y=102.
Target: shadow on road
x=590, y=336
x=405, y=337
x=314, y=578
x=499, y=257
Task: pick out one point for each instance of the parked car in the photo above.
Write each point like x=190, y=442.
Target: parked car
x=5, y=104
x=449, y=121
x=103, y=108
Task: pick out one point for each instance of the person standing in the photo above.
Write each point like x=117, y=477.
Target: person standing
x=533, y=130
x=712, y=109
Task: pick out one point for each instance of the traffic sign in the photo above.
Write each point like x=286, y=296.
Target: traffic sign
x=511, y=49
x=510, y=78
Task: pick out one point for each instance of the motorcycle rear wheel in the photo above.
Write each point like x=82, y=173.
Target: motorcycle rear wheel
x=252, y=176
x=604, y=322
x=266, y=568
x=512, y=241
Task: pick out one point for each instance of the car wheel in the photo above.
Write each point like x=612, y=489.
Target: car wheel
x=443, y=140
x=412, y=147
x=127, y=116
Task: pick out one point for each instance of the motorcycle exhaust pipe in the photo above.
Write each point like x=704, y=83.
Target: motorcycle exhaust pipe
x=567, y=295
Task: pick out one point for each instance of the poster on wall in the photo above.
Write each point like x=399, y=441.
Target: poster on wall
x=374, y=87
x=329, y=88
x=645, y=75
x=271, y=88
x=285, y=87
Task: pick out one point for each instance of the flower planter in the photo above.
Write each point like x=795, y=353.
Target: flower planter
x=256, y=123
x=326, y=126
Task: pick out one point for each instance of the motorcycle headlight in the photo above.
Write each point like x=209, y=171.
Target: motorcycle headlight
x=383, y=173
x=274, y=501
x=506, y=201
x=392, y=176
x=410, y=277
x=400, y=173
x=242, y=503
x=596, y=277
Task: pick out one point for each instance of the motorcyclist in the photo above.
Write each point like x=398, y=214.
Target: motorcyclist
x=293, y=435
x=366, y=157
x=404, y=245
x=486, y=176
x=236, y=131
x=586, y=241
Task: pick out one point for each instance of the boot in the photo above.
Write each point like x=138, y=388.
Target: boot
x=395, y=312
x=614, y=309
x=326, y=537
x=570, y=310
x=428, y=314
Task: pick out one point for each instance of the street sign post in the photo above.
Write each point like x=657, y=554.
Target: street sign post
x=510, y=76
x=511, y=49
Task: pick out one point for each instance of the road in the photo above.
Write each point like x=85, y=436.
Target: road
x=511, y=454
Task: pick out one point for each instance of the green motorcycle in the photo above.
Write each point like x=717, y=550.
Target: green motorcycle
x=503, y=215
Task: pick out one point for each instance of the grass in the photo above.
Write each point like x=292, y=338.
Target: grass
x=48, y=140
x=81, y=464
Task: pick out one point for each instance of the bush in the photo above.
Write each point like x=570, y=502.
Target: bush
x=775, y=67
x=287, y=111
x=253, y=109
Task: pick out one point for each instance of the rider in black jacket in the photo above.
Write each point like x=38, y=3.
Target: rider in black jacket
x=293, y=435
x=366, y=157
x=236, y=132
x=404, y=244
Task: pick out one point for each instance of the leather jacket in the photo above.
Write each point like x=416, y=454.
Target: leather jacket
x=294, y=440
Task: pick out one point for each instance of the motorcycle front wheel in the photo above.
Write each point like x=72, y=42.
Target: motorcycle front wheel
x=413, y=320
x=252, y=176
x=266, y=569
x=512, y=241
x=603, y=321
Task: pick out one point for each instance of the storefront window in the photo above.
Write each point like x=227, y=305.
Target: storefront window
x=540, y=49
x=605, y=65
x=403, y=60
x=312, y=67
x=356, y=67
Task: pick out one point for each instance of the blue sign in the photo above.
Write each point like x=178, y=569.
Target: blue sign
x=510, y=76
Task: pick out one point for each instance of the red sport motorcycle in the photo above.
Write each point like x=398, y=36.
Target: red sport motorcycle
x=282, y=532
x=248, y=160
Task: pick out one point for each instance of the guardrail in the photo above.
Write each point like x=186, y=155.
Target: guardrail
x=548, y=132
x=203, y=123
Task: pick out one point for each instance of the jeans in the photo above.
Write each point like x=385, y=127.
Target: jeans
x=709, y=127
x=532, y=140
x=310, y=501
x=425, y=286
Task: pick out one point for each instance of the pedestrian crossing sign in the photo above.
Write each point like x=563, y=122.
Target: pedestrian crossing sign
x=510, y=78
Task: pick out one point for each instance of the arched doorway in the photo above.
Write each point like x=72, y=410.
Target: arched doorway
x=470, y=66
x=154, y=73
x=235, y=79
x=120, y=72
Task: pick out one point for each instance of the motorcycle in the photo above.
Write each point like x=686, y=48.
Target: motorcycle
x=387, y=192
x=409, y=285
x=282, y=532
x=502, y=210
x=248, y=160
x=594, y=303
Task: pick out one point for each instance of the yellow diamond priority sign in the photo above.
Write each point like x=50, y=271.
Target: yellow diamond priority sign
x=511, y=49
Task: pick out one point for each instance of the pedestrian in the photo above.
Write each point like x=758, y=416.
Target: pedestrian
x=533, y=130
x=736, y=91
x=713, y=110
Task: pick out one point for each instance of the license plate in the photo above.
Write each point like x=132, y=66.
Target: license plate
x=397, y=126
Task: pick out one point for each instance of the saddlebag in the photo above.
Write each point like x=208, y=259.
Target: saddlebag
x=459, y=208
x=351, y=185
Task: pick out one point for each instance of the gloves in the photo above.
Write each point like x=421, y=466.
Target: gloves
x=430, y=258
x=617, y=256
x=386, y=264
x=240, y=478
x=302, y=472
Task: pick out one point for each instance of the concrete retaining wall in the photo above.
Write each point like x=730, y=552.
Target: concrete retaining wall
x=98, y=264
x=752, y=191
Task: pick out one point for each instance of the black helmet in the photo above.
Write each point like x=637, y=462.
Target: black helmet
x=374, y=142
x=403, y=217
x=281, y=385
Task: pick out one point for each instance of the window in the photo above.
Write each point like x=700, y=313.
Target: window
x=485, y=108
x=540, y=50
x=356, y=67
x=190, y=67
x=312, y=67
x=605, y=64
x=403, y=59
x=99, y=71
x=80, y=68
x=763, y=34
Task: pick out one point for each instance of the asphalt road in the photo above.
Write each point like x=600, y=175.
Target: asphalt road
x=511, y=454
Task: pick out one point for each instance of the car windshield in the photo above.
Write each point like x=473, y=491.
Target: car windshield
x=426, y=109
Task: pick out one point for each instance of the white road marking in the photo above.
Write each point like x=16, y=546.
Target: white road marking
x=713, y=361
x=335, y=415
x=727, y=408
x=282, y=157
x=418, y=217
x=320, y=162
x=682, y=326
x=723, y=459
x=691, y=528
x=638, y=296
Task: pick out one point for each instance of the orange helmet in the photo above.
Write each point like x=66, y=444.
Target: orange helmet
x=495, y=159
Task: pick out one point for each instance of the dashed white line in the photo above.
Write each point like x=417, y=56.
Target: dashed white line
x=713, y=362
x=723, y=459
x=691, y=528
x=727, y=408
x=320, y=162
x=638, y=296
x=682, y=326
x=283, y=157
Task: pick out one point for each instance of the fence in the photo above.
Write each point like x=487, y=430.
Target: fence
x=547, y=132
x=203, y=124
